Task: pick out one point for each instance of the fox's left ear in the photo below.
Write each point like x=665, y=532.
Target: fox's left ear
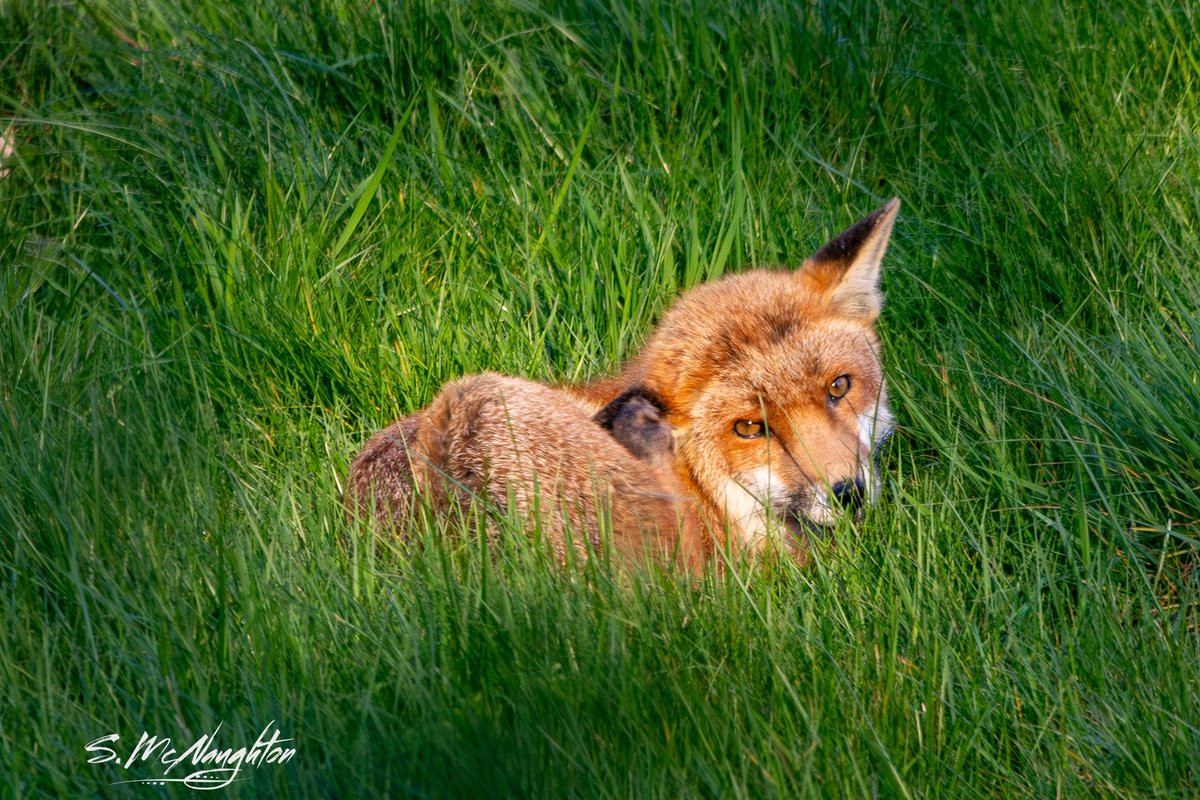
x=846, y=271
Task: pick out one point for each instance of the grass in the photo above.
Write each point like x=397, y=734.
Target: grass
x=238, y=238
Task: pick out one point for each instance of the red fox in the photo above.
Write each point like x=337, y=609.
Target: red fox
x=749, y=418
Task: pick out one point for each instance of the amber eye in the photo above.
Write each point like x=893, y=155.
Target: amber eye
x=839, y=387
x=748, y=429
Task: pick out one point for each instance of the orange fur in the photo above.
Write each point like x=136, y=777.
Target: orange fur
x=771, y=349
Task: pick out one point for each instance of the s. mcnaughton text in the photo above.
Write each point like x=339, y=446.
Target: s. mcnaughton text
x=213, y=765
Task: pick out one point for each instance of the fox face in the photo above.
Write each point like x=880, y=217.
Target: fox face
x=774, y=389
x=789, y=434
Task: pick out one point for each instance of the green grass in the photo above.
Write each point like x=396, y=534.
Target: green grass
x=236, y=238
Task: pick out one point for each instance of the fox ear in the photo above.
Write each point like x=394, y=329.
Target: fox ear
x=846, y=270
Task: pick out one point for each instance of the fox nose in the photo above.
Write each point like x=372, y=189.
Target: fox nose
x=848, y=494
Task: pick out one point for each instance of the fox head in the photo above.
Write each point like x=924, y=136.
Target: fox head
x=773, y=386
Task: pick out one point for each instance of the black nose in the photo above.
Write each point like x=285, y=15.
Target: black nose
x=848, y=494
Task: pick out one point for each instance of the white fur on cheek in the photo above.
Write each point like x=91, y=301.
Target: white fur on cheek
x=746, y=503
x=873, y=427
x=819, y=510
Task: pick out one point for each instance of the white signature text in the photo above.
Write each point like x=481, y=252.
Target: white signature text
x=212, y=765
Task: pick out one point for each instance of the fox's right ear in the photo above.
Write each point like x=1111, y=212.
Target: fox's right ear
x=846, y=270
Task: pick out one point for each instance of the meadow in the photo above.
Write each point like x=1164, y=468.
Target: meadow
x=237, y=238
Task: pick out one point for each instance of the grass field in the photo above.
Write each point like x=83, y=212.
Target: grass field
x=236, y=238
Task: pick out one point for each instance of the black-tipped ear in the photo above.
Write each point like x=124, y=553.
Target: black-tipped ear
x=637, y=420
x=846, y=270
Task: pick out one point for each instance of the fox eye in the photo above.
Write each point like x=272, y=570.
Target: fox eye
x=839, y=387
x=748, y=429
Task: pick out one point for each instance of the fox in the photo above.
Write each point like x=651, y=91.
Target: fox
x=748, y=422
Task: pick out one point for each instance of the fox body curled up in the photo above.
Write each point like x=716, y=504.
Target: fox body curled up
x=750, y=417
